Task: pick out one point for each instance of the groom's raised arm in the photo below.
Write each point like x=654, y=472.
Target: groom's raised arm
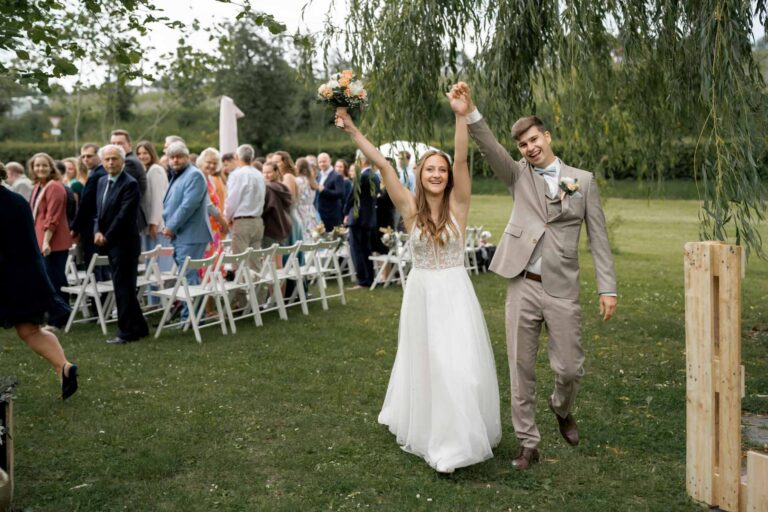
x=502, y=164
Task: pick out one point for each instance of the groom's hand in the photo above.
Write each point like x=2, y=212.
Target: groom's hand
x=607, y=306
x=461, y=99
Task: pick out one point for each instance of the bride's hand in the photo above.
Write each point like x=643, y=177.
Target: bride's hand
x=344, y=121
x=460, y=99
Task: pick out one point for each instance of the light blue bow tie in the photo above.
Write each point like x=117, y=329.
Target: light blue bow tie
x=550, y=170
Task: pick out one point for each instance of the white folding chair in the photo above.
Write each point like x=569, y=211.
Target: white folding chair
x=146, y=277
x=74, y=276
x=291, y=271
x=393, y=266
x=94, y=289
x=328, y=258
x=347, y=266
x=312, y=272
x=266, y=281
x=472, y=234
x=194, y=296
x=241, y=283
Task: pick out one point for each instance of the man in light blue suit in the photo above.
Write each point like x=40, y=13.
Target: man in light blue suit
x=185, y=209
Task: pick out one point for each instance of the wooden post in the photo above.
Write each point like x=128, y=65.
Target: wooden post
x=757, y=482
x=713, y=373
x=6, y=455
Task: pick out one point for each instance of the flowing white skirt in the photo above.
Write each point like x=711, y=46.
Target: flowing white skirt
x=442, y=402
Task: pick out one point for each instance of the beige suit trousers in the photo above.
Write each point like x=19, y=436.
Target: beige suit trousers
x=528, y=307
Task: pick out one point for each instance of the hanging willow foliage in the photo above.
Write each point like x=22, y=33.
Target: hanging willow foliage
x=620, y=83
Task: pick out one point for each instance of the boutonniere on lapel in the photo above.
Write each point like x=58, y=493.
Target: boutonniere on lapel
x=568, y=187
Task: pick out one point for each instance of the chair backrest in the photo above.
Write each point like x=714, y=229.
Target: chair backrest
x=264, y=260
x=288, y=249
x=164, y=251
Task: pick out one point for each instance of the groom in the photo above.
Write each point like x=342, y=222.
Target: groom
x=538, y=253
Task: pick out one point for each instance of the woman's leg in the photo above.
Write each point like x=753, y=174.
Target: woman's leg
x=45, y=343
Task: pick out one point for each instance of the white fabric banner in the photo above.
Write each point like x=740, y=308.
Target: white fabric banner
x=228, y=116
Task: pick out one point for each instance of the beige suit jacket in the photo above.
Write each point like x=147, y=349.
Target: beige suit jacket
x=534, y=216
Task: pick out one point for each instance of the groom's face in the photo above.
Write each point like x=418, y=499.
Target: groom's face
x=535, y=147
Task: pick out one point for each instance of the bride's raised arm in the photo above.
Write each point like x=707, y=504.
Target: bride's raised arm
x=462, y=184
x=401, y=196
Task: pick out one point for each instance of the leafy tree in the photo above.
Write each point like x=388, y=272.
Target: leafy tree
x=45, y=36
x=263, y=84
x=614, y=76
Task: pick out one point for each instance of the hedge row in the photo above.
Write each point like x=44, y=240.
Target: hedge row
x=629, y=164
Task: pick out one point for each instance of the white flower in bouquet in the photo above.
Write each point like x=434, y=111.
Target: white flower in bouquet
x=356, y=88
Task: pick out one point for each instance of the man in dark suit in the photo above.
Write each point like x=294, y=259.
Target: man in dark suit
x=330, y=193
x=85, y=220
x=362, y=222
x=134, y=167
x=117, y=204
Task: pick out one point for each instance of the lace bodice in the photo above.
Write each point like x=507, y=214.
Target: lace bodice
x=428, y=254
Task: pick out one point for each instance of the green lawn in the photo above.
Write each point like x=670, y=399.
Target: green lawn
x=283, y=417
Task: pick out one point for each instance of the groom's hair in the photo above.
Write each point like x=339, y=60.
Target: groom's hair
x=524, y=124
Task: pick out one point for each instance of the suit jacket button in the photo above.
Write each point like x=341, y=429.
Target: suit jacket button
x=534, y=240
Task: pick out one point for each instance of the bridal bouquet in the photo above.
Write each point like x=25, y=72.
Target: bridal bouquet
x=344, y=91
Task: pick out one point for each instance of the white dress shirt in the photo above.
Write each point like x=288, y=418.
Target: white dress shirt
x=246, y=189
x=324, y=176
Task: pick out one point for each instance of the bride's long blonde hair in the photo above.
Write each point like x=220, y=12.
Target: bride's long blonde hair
x=423, y=215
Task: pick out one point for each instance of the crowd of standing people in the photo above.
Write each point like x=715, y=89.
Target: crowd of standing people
x=121, y=198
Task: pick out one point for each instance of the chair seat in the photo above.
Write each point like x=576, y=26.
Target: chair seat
x=181, y=293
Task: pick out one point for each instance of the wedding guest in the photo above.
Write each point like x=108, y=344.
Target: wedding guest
x=362, y=222
x=228, y=164
x=342, y=167
x=18, y=180
x=288, y=173
x=49, y=211
x=117, y=203
x=277, y=208
x=79, y=173
x=133, y=167
x=157, y=186
x=85, y=220
x=89, y=156
x=185, y=209
x=306, y=185
x=215, y=174
x=244, y=206
x=405, y=171
x=406, y=176
x=170, y=139
x=27, y=295
x=330, y=193
x=385, y=215
x=209, y=163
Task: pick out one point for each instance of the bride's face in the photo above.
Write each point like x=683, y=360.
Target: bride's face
x=434, y=175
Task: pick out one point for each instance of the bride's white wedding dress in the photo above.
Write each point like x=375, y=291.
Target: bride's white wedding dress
x=442, y=402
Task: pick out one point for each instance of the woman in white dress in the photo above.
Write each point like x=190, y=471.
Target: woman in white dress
x=442, y=402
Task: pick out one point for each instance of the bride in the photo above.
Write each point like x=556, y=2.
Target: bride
x=442, y=402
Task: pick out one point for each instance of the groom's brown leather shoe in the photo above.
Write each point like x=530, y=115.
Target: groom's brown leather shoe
x=526, y=458
x=567, y=426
